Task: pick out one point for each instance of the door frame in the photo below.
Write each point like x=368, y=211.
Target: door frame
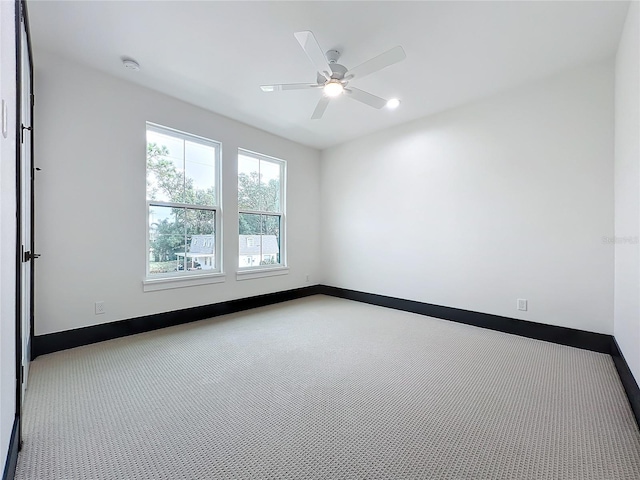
x=21, y=16
x=32, y=207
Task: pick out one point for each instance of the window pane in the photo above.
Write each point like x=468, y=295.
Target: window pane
x=270, y=186
x=201, y=239
x=258, y=184
x=200, y=174
x=166, y=239
x=165, y=167
x=272, y=226
x=174, y=145
x=250, y=224
x=248, y=183
x=259, y=240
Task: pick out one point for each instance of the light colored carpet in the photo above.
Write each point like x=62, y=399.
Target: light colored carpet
x=325, y=388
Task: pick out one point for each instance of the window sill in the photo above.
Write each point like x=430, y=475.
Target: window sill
x=260, y=273
x=165, y=283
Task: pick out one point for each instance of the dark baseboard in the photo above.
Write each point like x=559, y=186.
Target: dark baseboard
x=12, y=454
x=597, y=342
x=54, y=342
x=628, y=382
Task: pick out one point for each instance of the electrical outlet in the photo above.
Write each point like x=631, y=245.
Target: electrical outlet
x=522, y=304
x=100, y=308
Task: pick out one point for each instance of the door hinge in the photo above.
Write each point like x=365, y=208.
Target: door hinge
x=22, y=132
x=26, y=256
x=33, y=99
x=21, y=374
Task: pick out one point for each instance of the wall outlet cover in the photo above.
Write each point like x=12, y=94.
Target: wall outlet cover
x=100, y=308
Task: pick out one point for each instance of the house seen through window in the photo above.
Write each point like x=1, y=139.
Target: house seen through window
x=260, y=210
x=182, y=202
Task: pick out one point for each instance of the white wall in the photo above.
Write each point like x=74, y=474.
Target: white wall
x=90, y=198
x=7, y=231
x=627, y=189
x=476, y=207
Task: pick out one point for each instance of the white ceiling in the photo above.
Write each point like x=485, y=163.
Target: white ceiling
x=216, y=54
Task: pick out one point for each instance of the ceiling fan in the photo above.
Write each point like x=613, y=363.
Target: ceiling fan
x=334, y=78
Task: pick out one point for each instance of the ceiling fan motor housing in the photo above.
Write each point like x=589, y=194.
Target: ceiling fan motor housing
x=337, y=71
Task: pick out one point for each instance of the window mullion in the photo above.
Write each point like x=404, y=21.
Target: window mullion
x=253, y=212
x=262, y=236
x=186, y=262
x=154, y=203
x=260, y=197
x=184, y=171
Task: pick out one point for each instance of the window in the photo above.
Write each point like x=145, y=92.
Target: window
x=261, y=187
x=183, y=204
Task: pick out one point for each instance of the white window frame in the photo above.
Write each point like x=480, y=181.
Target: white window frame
x=257, y=271
x=187, y=278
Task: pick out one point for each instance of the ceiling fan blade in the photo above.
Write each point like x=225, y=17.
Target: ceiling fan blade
x=320, y=108
x=288, y=86
x=367, y=98
x=395, y=55
x=310, y=45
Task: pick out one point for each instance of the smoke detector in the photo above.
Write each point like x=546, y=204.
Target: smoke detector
x=131, y=64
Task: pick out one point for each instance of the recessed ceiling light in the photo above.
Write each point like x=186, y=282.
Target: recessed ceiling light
x=333, y=88
x=131, y=64
x=393, y=103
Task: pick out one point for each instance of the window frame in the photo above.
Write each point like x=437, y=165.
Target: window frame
x=161, y=281
x=256, y=271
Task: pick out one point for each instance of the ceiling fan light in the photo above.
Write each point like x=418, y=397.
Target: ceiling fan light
x=333, y=89
x=393, y=103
